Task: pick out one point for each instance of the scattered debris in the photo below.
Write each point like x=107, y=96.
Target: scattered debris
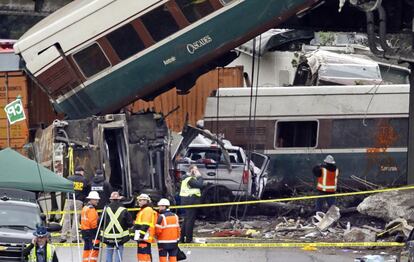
x=398, y=225
x=376, y=230
x=366, y=225
x=376, y=258
x=228, y=233
x=357, y=234
x=323, y=221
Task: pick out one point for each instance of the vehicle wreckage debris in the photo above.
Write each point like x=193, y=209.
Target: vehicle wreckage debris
x=332, y=226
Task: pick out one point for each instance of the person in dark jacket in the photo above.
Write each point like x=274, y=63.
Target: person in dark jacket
x=116, y=217
x=190, y=194
x=327, y=180
x=81, y=188
x=103, y=187
x=40, y=250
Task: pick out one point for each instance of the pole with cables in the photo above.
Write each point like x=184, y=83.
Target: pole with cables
x=117, y=245
x=76, y=226
x=97, y=233
x=32, y=146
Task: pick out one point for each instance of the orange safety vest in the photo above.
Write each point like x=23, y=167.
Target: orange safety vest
x=147, y=216
x=168, y=231
x=89, y=217
x=328, y=180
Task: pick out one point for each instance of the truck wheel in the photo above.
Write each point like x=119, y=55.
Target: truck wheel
x=216, y=194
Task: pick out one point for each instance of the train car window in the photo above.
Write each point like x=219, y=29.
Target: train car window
x=91, y=60
x=160, y=23
x=226, y=2
x=296, y=134
x=125, y=41
x=195, y=10
x=369, y=133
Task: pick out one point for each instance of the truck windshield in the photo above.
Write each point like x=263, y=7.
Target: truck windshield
x=198, y=154
x=19, y=216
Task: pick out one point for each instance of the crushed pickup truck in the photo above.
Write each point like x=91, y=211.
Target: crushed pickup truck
x=228, y=173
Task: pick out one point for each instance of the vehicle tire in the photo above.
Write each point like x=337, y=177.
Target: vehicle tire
x=216, y=194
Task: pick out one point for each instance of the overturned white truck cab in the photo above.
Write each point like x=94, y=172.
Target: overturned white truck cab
x=133, y=150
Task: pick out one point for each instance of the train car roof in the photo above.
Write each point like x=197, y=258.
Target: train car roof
x=312, y=90
x=311, y=102
x=68, y=15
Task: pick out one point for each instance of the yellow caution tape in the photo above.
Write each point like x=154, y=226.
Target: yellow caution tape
x=71, y=162
x=280, y=245
x=268, y=200
x=266, y=245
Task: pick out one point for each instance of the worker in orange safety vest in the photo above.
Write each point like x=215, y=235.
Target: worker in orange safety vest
x=167, y=231
x=327, y=180
x=145, y=228
x=89, y=227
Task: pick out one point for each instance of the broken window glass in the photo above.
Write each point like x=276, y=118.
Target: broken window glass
x=125, y=41
x=91, y=60
x=296, y=133
x=160, y=23
x=195, y=10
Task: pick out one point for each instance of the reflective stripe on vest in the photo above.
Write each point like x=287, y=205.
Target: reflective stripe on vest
x=151, y=223
x=109, y=231
x=169, y=229
x=50, y=250
x=328, y=180
x=187, y=191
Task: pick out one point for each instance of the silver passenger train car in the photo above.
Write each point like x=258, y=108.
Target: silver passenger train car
x=364, y=127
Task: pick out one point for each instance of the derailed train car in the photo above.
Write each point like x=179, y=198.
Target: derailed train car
x=133, y=150
x=94, y=57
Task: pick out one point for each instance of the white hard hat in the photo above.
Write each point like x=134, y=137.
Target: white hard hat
x=329, y=159
x=144, y=196
x=164, y=202
x=93, y=195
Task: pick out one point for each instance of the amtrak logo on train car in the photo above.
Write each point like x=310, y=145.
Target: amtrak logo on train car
x=191, y=48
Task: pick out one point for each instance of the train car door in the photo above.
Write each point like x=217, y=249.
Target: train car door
x=115, y=155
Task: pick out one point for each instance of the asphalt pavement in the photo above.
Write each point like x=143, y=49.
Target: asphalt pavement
x=240, y=255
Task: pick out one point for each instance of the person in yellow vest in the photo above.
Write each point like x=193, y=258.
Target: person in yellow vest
x=89, y=228
x=190, y=194
x=327, y=180
x=116, y=224
x=167, y=231
x=40, y=250
x=145, y=228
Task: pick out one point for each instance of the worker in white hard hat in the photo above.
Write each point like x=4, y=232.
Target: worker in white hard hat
x=167, y=231
x=89, y=227
x=327, y=179
x=145, y=228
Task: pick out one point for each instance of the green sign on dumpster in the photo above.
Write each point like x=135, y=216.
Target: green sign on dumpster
x=15, y=111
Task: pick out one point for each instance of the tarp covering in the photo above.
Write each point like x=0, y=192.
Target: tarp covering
x=17, y=171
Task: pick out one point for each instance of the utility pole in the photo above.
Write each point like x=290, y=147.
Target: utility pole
x=410, y=147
